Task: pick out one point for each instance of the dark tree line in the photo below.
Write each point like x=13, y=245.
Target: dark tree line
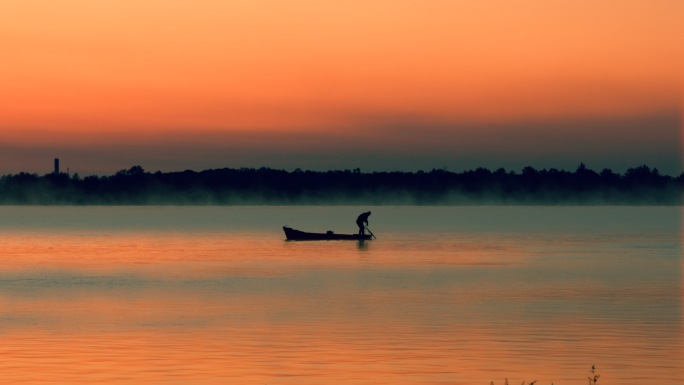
x=640, y=185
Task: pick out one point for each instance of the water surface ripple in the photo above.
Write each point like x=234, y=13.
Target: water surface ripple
x=445, y=295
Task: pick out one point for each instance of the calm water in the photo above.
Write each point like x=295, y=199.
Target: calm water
x=445, y=295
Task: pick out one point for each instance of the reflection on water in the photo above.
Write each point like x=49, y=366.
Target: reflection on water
x=215, y=295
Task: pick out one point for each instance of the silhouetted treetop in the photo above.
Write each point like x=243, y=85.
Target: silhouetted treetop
x=639, y=185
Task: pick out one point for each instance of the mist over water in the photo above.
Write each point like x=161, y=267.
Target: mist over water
x=458, y=295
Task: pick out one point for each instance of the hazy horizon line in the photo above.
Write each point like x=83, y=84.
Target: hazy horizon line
x=67, y=170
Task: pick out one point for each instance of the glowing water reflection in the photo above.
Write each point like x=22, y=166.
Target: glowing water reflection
x=208, y=295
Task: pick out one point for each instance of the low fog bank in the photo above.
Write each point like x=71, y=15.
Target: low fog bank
x=265, y=186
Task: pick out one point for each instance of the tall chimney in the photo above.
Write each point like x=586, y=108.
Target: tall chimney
x=56, y=166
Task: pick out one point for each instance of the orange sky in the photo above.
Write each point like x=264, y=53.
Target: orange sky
x=81, y=72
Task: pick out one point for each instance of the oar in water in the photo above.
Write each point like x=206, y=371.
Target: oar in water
x=371, y=233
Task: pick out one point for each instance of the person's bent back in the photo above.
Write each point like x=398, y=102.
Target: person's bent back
x=363, y=218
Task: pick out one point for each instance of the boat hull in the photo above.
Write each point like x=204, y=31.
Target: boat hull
x=296, y=235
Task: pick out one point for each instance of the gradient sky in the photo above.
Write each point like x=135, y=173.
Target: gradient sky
x=380, y=85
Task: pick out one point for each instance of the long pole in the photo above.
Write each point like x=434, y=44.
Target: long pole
x=371, y=233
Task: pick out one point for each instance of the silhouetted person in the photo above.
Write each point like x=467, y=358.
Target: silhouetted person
x=363, y=218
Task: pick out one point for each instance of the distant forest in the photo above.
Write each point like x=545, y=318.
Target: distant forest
x=135, y=186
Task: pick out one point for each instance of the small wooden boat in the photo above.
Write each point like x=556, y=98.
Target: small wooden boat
x=296, y=235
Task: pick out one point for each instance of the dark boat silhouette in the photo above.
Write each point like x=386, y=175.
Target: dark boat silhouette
x=296, y=235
